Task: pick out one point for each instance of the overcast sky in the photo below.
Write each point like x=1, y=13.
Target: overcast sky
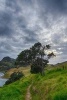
x=25, y=22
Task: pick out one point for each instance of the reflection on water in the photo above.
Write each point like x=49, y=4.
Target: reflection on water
x=2, y=80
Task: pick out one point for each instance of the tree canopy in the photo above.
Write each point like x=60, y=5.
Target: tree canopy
x=36, y=57
x=28, y=55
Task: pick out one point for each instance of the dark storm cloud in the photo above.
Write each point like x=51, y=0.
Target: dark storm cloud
x=5, y=24
x=10, y=16
x=30, y=38
x=13, y=4
x=13, y=27
x=51, y=8
x=24, y=22
x=54, y=5
x=57, y=5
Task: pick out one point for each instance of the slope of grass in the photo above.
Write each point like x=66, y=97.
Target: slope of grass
x=24, y=70
x=52, y=86
x=16, y=90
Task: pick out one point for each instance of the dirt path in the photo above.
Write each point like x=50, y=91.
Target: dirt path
x=28, y=95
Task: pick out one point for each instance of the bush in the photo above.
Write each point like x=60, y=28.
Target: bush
x=14, y=77
x=38, y=65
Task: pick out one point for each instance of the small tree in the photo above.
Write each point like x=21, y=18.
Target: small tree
x=14, y=77
x=39, y=63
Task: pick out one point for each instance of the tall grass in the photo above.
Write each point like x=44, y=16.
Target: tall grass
x=15, y=91
x=52, y=86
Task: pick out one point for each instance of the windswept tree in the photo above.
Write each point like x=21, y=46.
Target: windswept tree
x=27, y=56
x=40, y=62
x=24, y=58
x=35, y=56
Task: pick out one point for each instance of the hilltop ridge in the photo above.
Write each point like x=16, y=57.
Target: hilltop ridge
x=6, y=63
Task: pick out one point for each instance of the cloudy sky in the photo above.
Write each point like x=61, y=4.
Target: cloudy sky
x=25, y=22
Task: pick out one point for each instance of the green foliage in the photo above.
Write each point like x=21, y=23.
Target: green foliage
x=35, y=56
x=14, y=77
x=39, y=63
x=23, y=58
x=27, y=56
x=36, y=66
x=60, y=95
x=16, y=90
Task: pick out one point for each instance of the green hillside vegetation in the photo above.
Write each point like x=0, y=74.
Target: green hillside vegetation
x=51, y=86
x=7, y=63
x=14, y=77
x=24, y=70
x=16, y=90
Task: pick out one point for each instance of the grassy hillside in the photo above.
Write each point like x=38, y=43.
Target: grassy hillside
x=51, y=86
x=16, y=90
x=24, y=70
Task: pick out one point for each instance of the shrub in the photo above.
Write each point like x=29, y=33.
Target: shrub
x=38, y=65
x=14, y=77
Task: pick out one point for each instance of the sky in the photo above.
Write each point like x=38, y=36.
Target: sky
x=25, y=22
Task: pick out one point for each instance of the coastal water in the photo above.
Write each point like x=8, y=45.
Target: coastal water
x=2, y=80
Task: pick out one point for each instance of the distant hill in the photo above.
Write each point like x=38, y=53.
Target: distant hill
x=62, y=64
x=6, y=63
x=7, y=59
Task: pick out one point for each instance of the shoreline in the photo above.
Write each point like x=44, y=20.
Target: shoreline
x=2, y=79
